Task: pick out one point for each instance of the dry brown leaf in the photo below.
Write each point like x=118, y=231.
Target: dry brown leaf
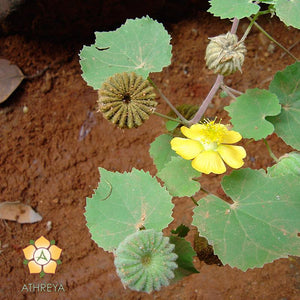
x=10, y=78
x=16, y=211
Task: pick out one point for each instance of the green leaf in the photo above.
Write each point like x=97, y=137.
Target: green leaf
x=140, y=45
x=178, y=175
x=223, y=94
x=286, y=85
x=161, y=151
x=184, y=261
x=268, y=1
x=181, y=231
x=260, y=226
x=171, y=125
x=123, y=203
x=288, y=164
x=288, y=11
x=249, y=110
x=233, y=8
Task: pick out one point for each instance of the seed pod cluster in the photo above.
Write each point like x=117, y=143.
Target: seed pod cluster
x=225, y=54
x=145, y=261
x=126, y=99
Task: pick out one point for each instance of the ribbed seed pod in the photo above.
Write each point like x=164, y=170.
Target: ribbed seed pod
x=224, y=54
x=126, y=99
x=145, y=261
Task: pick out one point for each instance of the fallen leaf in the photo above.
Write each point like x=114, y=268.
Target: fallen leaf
x=10, y=78
x=19, y=212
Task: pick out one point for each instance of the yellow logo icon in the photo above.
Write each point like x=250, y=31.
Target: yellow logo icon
x=42, y=256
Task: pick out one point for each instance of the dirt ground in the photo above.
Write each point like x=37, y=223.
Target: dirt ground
x=49, y=159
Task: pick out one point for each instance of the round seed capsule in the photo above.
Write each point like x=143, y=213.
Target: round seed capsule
x=126, y=99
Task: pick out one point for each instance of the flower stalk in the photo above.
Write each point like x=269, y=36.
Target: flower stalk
x=270, y=151
x=274, y=41
x=180, y=116
x=219, y=81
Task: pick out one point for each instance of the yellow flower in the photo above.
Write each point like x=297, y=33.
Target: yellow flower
x=42, y=256
x=208, y=145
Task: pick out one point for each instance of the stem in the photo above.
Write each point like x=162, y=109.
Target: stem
x=274, y=41
x=234, y=25
x=252, y=21
x=233, y=90
x=290, y=48
x=227, y=91
x=194, y=201
x=204, y=190
x=215, y=87
x=38, y=74
x=180, y=116
x=207, y=100
x=166, y=117
x=270, y=151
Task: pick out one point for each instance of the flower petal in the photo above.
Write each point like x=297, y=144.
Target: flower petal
x=55, y=252
x=231, y=137
x=209, y=162
x=34, y=267
x=42, y=242
x=28, y=252
x=232, y=155
x=50, y=267
x=188, y=149
x=193, y=132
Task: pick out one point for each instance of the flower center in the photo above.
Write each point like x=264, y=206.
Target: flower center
x=146, y=259
x=210, y=146
x=211, y=135
x=126, y=98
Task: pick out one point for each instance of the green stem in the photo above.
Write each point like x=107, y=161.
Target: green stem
x=180, y=116
x=166, y=117
x=193, y=199
x=252, y=21
x=270, y=151
x=274, y=41
x=204, y=190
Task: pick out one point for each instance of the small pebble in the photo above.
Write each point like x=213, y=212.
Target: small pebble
x=55, y=200
x=25, y=109
x=49, y=225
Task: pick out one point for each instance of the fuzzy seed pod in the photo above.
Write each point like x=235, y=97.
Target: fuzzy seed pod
x=145, y=261
x=224, y=54
x=126, y=99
